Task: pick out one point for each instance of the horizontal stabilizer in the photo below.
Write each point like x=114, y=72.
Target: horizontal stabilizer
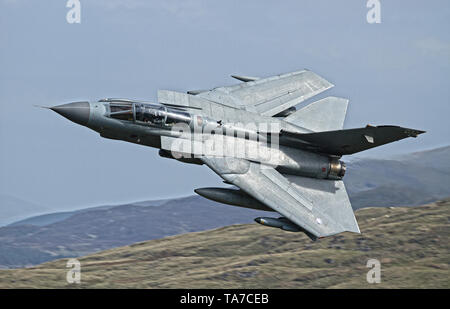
x=344, y=142
x=324, y=115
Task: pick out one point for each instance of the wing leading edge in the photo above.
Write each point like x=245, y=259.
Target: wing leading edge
x=271, y=95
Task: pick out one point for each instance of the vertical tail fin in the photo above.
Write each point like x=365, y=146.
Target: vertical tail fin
x=324, y=115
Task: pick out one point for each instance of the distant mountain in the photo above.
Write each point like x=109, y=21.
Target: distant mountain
x=435, y=158
x=13, y=209
x=391, y=195
x=407, y=180
x=87, y=231
x=50, y=218
x=411, y=179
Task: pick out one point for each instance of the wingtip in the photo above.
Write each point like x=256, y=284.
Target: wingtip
x=414, y=133
x=356, y=230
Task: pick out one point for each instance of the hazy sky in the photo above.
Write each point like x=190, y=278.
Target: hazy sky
x=396, y=72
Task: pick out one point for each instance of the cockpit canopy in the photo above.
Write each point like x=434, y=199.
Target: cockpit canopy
x=151, y=113
x=121, y=110
x=148, y=113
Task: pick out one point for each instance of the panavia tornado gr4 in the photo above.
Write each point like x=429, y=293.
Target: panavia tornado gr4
x=275, y=157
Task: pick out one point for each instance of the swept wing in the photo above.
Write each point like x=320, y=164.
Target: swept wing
x=272, y=95
x=320, y=207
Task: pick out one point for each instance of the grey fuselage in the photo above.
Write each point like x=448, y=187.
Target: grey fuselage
x=151, y=123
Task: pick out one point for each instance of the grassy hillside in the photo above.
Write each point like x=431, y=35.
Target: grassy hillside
x=411, y=243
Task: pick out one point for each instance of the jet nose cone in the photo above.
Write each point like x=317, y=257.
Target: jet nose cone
x=77, y=112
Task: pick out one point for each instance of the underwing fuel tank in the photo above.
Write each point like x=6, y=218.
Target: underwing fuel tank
x=284, y=224
x=186, y=159
x=231, y=197
x=281, y=223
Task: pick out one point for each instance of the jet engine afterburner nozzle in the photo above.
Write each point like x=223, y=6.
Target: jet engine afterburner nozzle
x=337, y=169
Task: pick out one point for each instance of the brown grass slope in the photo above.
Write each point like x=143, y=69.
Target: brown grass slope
x=411, y=243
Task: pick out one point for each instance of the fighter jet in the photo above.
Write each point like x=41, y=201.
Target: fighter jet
x=275, y=157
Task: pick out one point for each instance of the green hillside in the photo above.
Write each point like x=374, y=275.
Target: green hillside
x=412, y=245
